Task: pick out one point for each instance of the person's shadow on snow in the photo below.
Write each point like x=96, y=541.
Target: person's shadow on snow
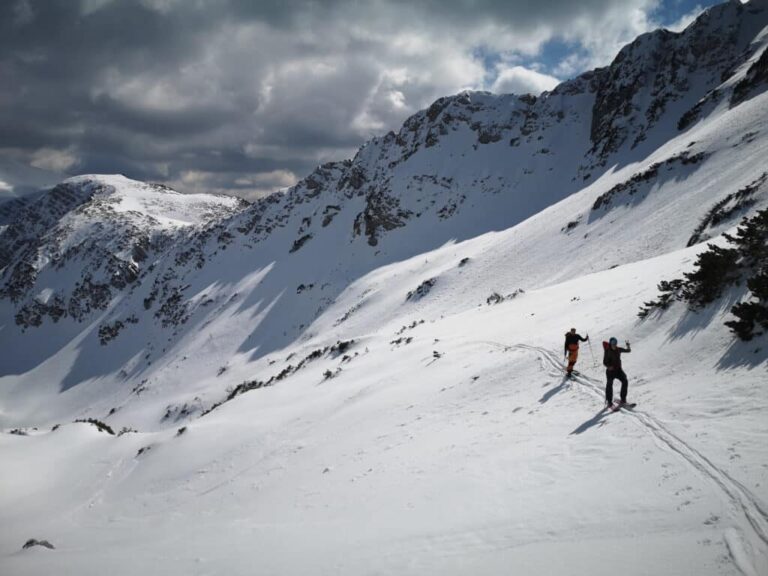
x=549, y=393
x=596, y=420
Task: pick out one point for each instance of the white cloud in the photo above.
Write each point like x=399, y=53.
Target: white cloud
x=54, y=160
x=570, y=66
x=195, y=178
x=686, y=19
x=274, y=178
x=602, y=35
x=249, y=186
x=520, y=80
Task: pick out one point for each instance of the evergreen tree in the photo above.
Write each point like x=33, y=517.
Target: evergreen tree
x=752, y=314
x=715, y=269
x=751, y=240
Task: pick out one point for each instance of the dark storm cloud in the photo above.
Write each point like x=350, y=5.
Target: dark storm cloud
x=164, y=124
x=246, y=95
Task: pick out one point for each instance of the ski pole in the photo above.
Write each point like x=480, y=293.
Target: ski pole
x=594, y=361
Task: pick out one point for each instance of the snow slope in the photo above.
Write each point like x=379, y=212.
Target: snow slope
x=479, y=460
x=442, y=437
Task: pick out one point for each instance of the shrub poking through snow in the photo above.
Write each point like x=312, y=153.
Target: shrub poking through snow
x=108, y=332
x=641, y=181
x=245, y=387
x=34, y=542
x=297, y=244
x=328, y=374
x=348, y=313
x=728, y=208
x=333, y=351
x=411, y=326
x=670, y=292
x=718, y=268
x=341, y=347
x=99, y=424
x=496, y=298
x=179, y=412
x=570, y=226
x=422, y=290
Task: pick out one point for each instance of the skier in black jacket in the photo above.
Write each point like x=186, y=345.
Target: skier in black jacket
x=572, y=348
x=612, y=363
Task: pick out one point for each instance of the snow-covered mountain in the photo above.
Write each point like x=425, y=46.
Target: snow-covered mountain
x=364, y=367
x=63, y=253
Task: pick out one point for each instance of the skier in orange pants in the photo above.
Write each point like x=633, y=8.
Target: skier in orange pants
x=572, y=348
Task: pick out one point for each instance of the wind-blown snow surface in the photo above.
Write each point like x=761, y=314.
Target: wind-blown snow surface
x=452, y=445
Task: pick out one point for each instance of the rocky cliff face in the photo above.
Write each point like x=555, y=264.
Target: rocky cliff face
x=662, y=72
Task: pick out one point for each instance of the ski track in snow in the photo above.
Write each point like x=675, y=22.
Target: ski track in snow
x=738, y=496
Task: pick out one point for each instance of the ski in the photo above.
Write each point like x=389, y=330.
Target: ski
x=618, y=406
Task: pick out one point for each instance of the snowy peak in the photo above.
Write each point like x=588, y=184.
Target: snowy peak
x=67, y=251
x=164, y=207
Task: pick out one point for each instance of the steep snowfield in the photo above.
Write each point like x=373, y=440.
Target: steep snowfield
x=440, y=436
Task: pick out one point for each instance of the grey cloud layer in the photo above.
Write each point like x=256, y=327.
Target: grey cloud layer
x=236, y=96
